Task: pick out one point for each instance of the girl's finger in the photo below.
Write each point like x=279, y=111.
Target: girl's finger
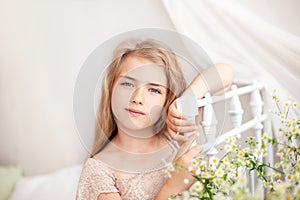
x=182, y=129
x=187, y=126
x=174, y=112
x=180, y=122
x=175, y=136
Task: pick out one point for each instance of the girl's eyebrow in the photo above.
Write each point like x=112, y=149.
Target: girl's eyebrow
x=128, y=77
x=157, y=85
x=133, y=79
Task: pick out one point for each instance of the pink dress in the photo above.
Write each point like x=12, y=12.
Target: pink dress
x=96, y=177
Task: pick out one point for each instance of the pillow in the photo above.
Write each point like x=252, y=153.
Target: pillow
x=57, y=185
x=9, y=175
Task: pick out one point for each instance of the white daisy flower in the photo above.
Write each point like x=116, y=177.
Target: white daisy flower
x=219, y=172
x=196, y=187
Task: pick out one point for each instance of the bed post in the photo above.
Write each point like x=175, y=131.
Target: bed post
x=236, y=111
x=268, y=126
x=256, y=104
x=209, y=124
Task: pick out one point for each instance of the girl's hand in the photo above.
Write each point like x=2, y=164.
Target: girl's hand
x=184, y=158
x=177, y=183
x=178, y=124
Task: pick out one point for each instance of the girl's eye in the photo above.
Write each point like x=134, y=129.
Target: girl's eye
x=127, y=84
x=154, y=90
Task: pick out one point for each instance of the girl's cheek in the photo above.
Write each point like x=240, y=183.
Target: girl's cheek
x=159, y=100
x=155, y=112
x=123, y=95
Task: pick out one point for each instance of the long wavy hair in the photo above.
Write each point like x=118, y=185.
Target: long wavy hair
x=155, y=51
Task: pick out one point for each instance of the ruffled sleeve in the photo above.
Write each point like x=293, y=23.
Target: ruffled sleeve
x=95, y=178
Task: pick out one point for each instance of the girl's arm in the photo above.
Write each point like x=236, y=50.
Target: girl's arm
x=175, y=184
x=216, y=80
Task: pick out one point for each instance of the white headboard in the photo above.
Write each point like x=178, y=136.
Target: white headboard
x=253, y=122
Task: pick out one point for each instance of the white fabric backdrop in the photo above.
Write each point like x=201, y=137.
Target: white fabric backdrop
x=232, y=34
x=43, y=45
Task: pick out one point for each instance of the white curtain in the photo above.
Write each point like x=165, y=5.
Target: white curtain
x=230, y=33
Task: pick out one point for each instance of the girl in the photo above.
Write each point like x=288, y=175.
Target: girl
x=130, y=141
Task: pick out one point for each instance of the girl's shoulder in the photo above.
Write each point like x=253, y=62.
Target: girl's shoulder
x=95, y=178
x=95, y=164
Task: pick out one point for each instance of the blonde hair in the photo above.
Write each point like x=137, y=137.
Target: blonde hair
x=156, y=52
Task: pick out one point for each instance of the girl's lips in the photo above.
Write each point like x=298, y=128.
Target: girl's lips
x=135, y=112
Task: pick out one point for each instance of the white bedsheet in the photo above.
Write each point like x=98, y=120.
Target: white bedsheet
x=59, y=185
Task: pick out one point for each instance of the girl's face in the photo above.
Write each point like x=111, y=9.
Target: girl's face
x=139, y=94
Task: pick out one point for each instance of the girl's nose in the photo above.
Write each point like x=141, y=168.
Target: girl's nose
x=138, y=96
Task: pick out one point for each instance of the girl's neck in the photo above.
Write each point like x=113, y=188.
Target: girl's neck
x=133, y=144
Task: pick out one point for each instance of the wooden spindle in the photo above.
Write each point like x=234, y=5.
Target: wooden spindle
x=209, y=124
x=256, y=104
x=236, y=111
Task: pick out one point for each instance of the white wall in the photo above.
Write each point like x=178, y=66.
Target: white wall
x=43, y=45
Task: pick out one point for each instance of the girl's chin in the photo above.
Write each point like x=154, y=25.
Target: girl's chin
x=137, y=131
x=137, y=124
x=136, y=127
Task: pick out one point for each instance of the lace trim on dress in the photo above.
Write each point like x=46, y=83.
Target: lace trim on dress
x=97, y=177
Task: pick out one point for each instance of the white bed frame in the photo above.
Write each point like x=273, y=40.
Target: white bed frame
x=259, y=123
